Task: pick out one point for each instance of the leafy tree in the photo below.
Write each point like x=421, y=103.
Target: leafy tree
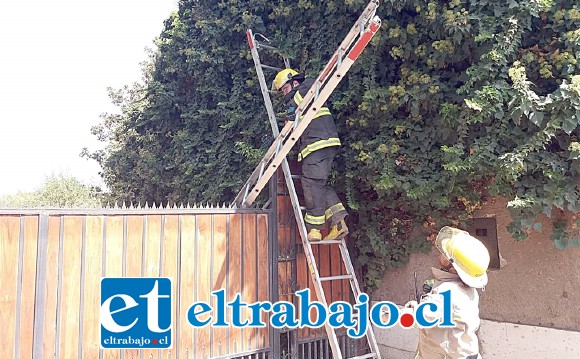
x=57, y=191
x=452, y=102
x=196, y=127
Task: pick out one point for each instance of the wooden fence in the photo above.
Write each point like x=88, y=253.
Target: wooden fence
x=52, y=263
x=53, y=260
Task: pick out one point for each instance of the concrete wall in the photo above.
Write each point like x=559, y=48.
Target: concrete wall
x=529, y=309
x=538, y=285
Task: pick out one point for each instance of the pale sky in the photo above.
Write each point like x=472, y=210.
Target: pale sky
x=57, y=59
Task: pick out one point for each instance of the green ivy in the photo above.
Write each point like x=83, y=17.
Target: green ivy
x=452, y=102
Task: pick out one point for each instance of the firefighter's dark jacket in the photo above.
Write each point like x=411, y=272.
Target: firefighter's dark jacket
x=321, y=132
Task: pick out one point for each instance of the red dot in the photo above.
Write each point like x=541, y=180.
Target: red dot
x=407, y=320
x=154, y=341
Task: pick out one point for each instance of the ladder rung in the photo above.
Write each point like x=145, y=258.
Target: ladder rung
x=271, y=67
x=296, y=176
x=371, y=355
x=261, y=170
x=246, y=192
x=328, y=241
x=336, y=277
x=264, y=46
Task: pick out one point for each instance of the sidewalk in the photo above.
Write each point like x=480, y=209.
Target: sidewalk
x=497, y=340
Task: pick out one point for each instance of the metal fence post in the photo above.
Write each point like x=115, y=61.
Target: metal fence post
x=273, y=260
x=40, y=296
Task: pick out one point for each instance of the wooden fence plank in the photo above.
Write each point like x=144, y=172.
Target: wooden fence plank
x=235, y=275
x=284, y=280
x=218, y=277
x=337, y=286
x=336, y=269
x=188, y=283
x=302, y=278
x=152, y=246
x=151, y=259
x=134, y=259
x=169, y=269
x=284, y=267
x=318, y=254
x=324, y=271
x=92, y=274
x=9, y=256
x=249, y=277
x=114, y=257
x=51, y=279
x=313, y=296
x=312, y=314
x=285, y=222
x=346, y=290
x=28, y=286
x=203, y=263
x=134, y=251
x=263, y=279
x=70, y=299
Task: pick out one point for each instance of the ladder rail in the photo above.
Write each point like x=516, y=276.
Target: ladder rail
x=370, y=335
x=333, y=340
x=353, y=47
x=367, y=15
x=262, y=80
x=274, y=148
x=256, y=173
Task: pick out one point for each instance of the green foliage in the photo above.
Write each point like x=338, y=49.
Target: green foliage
x=461, y=101
x=58, y=191
x=452, y=102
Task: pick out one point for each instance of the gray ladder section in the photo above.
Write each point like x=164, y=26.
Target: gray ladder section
x=356, y=40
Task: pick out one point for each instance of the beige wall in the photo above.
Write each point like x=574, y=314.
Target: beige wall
x=539, y=284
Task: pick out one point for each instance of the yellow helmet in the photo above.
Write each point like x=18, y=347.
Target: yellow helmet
x=469, y=256
x=282, y=77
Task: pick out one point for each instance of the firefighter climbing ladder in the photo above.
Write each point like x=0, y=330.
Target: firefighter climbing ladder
x=351, y=47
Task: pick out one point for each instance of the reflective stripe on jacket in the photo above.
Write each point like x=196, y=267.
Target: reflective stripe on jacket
x=321, y=132
x=450, y=343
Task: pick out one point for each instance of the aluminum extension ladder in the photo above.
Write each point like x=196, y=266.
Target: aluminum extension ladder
x=351, y=47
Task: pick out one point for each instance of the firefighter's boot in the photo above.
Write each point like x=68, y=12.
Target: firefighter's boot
x=314, y=235
x=337, y=231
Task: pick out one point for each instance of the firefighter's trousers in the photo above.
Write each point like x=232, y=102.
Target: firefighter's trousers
x=321, y=202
